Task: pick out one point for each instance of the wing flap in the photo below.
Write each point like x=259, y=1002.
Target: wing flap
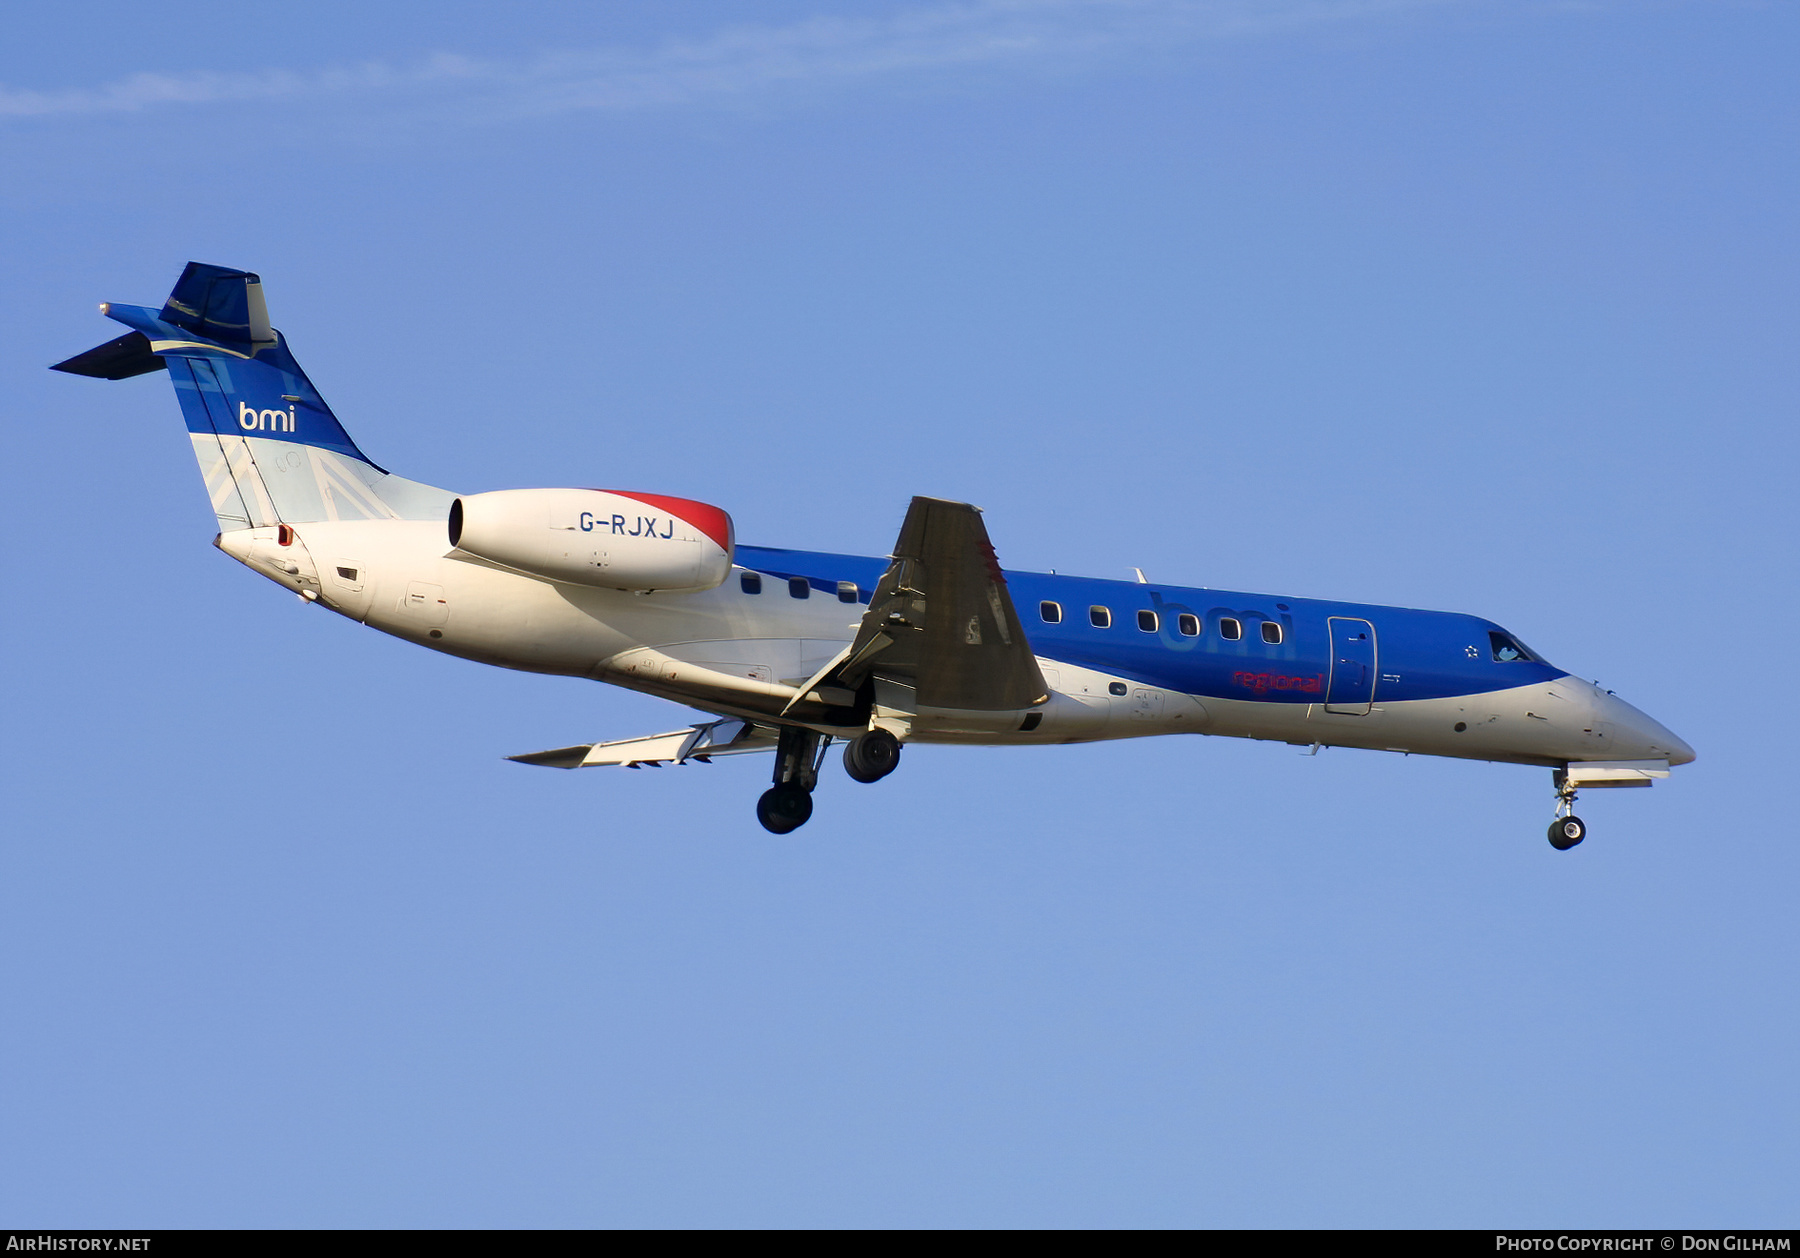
x=698, y=742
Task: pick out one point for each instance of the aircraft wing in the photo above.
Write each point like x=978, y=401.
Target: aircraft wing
x=941, y=619
x=698, y=742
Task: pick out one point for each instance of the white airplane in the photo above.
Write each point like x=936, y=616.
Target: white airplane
x=793, y=650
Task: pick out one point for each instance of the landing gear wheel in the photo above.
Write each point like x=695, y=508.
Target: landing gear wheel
x=783, y=809
x=871, y=755
x=1566, y=832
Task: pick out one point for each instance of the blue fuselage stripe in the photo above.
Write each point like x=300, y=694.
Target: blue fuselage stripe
x=1417, y=654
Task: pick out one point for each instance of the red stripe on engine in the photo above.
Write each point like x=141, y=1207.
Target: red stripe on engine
x=703, y=516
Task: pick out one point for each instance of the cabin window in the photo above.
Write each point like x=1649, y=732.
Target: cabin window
x=1050, y=613
x=1506, y=649
x=1116, y=688
x=847, y=591
x=1230, y=629
x=751, y=582
x=798, y=588
x=1271, y=632
x=1147, y=621
x=1100, y=617
x=1188, y=624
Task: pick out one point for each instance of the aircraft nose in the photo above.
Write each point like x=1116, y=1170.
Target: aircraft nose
x=1681, y=753
x=1638, y=736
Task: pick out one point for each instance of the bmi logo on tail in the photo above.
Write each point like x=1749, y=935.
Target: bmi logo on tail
x=252, y=420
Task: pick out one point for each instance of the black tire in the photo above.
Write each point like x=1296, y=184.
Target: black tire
x=871, y=755
x=783, y=809
x=1566, y=832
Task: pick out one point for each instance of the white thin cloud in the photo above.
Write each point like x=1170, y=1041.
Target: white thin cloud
x=740, y=62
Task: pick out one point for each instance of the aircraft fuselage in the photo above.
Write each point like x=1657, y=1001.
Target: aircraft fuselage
x=1122, y=660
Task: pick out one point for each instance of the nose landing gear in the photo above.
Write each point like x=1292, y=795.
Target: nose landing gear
x=1566, y=832
x=1568, y=829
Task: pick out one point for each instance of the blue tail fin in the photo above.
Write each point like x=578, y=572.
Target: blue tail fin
x=269, y=448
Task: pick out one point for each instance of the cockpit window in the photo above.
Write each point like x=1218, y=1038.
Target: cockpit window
x=1506, y=650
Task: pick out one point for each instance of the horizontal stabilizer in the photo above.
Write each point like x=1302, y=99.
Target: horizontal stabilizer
x=119, y=359
x=698, y=742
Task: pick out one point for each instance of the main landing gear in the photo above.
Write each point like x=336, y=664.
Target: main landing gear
x=1568, y=829
x=783, y=809
x=785, y=806
x=871, y=755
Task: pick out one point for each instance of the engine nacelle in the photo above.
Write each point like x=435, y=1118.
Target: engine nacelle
x=596, y=537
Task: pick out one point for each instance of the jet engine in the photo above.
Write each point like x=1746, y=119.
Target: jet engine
x=618, y=541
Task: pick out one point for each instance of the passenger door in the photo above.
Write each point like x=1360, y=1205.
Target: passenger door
x=1351, y=689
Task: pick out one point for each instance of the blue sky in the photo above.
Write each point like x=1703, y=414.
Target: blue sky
x=1459, y=304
